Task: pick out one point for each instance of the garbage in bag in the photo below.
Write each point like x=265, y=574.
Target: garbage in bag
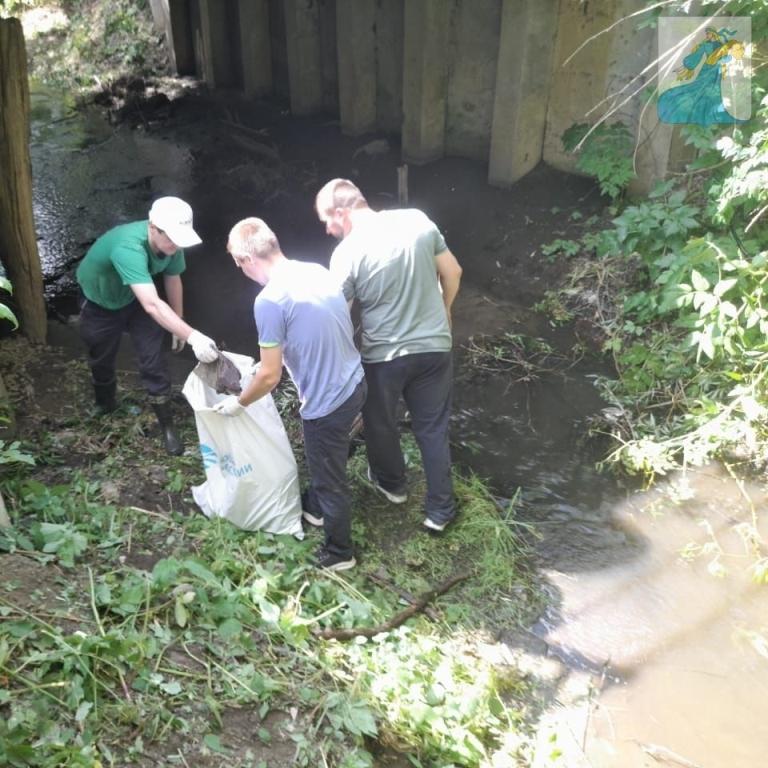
x=222, y=375
x=250, y=470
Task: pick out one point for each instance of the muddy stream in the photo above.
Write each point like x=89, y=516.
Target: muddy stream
x=645, y=657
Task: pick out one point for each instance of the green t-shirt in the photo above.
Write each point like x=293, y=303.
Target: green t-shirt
x=119, y=259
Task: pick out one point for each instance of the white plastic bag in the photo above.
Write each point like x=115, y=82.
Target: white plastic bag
x=251, y=476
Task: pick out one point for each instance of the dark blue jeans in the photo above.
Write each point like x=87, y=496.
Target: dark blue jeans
x=425, y=381
x=326, y=447
x=102, y=330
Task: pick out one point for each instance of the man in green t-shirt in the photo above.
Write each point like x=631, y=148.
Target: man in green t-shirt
x=116, y=278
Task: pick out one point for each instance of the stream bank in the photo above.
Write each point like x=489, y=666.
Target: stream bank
x=636, y=637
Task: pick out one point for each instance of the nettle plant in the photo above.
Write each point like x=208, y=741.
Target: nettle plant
x=604, y=152
x=693, y=337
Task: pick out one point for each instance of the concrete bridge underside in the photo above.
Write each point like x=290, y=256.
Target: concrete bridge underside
x=486, y=79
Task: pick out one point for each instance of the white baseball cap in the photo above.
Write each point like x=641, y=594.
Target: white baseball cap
x=174, y=217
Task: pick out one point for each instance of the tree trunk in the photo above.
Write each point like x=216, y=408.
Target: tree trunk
x=18, y=244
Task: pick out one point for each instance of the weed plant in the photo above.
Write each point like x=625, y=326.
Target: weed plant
x=139, y=632
x=676, y=284
x=91, y=43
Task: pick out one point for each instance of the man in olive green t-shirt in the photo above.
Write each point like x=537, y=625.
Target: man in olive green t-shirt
x=398, y=267
x=116, y=279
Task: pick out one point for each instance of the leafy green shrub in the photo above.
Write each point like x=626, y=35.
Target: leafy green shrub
x=605, y=153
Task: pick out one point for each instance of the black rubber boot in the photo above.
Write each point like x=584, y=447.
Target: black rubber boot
x=171, y=438
x=105, y=396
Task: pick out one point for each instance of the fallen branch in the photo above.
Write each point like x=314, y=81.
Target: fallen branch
x=379, y=579
x=398, y=619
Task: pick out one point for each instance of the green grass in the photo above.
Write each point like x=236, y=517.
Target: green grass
x=136, y=630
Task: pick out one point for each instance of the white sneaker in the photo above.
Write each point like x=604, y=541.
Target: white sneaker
x=395, y=498
x=433, y=526
x=315, y=520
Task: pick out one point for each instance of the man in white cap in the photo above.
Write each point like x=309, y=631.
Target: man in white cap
x=116, y=279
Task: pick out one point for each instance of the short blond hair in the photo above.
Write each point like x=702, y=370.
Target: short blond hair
x=253, y=237
x=339, y=193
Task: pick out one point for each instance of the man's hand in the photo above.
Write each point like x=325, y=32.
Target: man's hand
x=177, y=343
x=230, y=406
x=204, y=348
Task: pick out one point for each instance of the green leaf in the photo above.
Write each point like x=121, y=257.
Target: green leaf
x=213, y=742
x=172, y=688
x=82, y=711
x=360, y=721
x=270, y=613
x=6, y=313
x=700, y=283
x=180, y=612
x=230, y=629
x=724, y=285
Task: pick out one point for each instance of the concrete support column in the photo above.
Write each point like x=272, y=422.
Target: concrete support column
x=356, y=46
x=216, y=54
x=586, y=74
x=389, y=65
x=171, y=17
x=425, y=76
x=256, y=46
x=302, y=33
x=523, y=81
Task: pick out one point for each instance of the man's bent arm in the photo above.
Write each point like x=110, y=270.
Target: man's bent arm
x=449, y=274
x=266, y=377
x=174, y=292
x=160, y=311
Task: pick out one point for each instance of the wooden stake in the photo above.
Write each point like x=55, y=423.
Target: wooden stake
x=402, y=184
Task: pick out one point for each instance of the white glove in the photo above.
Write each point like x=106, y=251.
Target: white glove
x=177, y=343
x=204, y=348
x=229, y=406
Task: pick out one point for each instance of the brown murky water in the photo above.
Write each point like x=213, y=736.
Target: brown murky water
x=668, y=668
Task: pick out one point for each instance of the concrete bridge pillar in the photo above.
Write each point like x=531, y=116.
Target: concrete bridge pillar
x=216, y=55
x=302, y=33
x=356, y=36
x=172, y=18
x=523, y=81
x=256, y=47
x=425, y=80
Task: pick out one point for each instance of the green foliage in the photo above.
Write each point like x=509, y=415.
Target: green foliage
x=6, y=313
x=11, y=8
x=565, y=247
x=11, y=453
x=225, y=621
x=96, y=43
x=605, y=153
x=689, y=323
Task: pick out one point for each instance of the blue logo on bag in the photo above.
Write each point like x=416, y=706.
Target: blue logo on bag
x=210, y=459
x=226, y=462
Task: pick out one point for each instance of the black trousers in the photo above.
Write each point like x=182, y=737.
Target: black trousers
x=425, y=381
x=102, y=330
x=326, y=447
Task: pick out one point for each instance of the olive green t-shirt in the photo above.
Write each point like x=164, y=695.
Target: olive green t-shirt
x=387, y=262
x=119, y=259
